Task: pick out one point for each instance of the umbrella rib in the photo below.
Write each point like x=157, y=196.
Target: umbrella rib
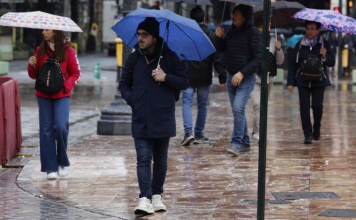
x=189, y=38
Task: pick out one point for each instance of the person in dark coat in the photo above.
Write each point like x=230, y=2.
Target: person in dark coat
x=200, y=78
x=311, y=44
x=242, y=51
x=149, y=89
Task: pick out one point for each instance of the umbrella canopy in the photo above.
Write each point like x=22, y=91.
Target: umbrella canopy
x=192, y=2
x=330, y=20
x=184, y=36
x=293, y=40
x=39, y=20
x=282, y=12
x=252, y=3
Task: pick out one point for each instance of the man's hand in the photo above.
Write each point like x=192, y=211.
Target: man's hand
x=237, y=79
x=219, y=32
x=290, y=88
x=323, y=52
x=32, y=61
x=278, y=45
x=158, y=74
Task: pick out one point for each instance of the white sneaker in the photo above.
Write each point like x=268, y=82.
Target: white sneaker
x=144, y=207
x=158, y=205
x=256, y=136
x=62, y=171
x=52, y=176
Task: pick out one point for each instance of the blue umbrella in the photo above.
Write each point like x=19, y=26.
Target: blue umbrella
x=293, y=40
x=183, y=35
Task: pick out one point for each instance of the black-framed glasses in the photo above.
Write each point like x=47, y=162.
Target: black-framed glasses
x=143, y=35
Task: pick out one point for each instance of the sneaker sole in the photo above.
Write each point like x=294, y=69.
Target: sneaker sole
x=187, y=142
x=142, y=212
x=200, y=142
x=160, y=210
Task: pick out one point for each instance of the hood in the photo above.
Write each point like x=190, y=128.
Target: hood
x=67, y=42
x=247, y=12
x=205, y=28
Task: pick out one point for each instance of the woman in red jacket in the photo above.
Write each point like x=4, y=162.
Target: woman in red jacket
x=54, y=107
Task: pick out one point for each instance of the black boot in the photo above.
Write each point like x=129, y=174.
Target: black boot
x=307, y=139
x=316, y=136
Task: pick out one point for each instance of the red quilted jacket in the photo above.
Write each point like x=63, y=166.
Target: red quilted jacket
x=70, y=68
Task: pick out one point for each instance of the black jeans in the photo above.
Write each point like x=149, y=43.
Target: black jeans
x=317, y=99
x=145, y=150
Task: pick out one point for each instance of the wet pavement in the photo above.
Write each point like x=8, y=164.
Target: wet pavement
x=203, y=181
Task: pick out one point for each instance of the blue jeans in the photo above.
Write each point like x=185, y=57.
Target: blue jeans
x=145, y=150
x=54, y=129
x=187, y=98
x=239, y=96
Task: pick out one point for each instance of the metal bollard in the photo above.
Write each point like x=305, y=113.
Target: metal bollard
x=119, y=51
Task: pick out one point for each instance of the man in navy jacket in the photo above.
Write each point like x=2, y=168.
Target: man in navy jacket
x=149, y=88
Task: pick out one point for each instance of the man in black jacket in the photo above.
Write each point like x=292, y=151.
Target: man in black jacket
x=200, y=78
x=149, y=89
x=242, y=47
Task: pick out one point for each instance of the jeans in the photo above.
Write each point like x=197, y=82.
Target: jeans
x=317, y=97
x=54, y=129
x=145, y=150
x=239, y=96
x=187, y=98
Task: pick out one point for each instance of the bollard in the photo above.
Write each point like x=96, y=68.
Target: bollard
x=354, y=76
x=280, y=76
x=119, y=51
x=4, y=67
x=97, y=71
x=97, y=87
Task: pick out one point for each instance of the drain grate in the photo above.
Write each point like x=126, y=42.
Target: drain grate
x=271, y=202
x=347, y=213
x=305, y=195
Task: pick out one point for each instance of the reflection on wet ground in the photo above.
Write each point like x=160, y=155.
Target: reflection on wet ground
x=203, y=181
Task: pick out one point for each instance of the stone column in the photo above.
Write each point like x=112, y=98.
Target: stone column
x=116, y=119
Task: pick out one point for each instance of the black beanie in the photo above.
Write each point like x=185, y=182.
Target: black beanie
x=151, y=25
x=246, y=11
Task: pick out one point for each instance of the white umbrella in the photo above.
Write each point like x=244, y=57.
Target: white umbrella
x=39, y=20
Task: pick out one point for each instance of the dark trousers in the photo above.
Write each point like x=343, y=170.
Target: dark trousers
x=315, y=96
x=146, y=149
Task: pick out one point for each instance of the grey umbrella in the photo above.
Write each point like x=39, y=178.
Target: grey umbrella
x=281, y=12
x=193, y=2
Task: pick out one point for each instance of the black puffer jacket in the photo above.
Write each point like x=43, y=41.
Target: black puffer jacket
x=242, y=46
x=201, y=72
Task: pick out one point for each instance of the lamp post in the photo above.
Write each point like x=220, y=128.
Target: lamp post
x=116, y=119
x=263, y=114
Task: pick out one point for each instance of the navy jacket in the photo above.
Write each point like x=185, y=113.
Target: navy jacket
x=152, y=103
x=294, y=76
x=242, y=47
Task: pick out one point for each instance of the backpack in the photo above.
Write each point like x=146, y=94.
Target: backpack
x=311, y=69
x=49, y=78
x=167, y=57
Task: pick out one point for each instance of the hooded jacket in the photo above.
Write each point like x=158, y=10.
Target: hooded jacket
x=201, y=72
x=152, y=103
x=70, y=70
x=242, y=46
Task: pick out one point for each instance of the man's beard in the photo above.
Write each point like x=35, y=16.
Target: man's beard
x=145, y=47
